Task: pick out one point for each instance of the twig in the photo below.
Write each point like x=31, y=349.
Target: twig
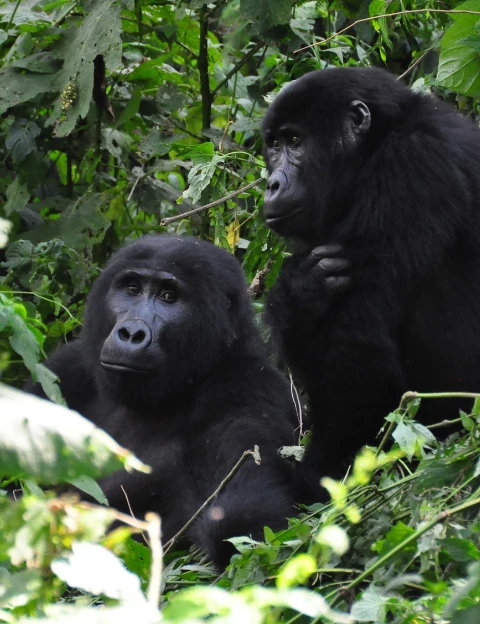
x=298, y=405
x=420, y=58
x=375, y=17
x=140, y=177
x=154, y=533
x=168, y=220
x=254, y=454
x=131, y=512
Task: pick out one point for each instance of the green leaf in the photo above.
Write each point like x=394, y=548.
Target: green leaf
x=108, y=577
x=263, y=14
x=17, y=197
x=460, y=549
x=98, y=34
x=90, y=487
x=370, y=607
x=18, y=86
x=24, y=342
x=131, y=109
x=80, y=226
x=21, y=138
x=459, y=62
x=54, y=444
x=49, y=383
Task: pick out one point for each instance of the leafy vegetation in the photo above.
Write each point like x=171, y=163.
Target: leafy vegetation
x=123, y=117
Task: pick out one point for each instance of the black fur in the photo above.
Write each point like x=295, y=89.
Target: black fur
x=205, y=395
x=388, y=181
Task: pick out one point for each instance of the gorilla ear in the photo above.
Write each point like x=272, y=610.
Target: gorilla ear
x=360, y=115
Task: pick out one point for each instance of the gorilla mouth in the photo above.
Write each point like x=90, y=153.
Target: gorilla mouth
x=117, y=367
x=277, y=218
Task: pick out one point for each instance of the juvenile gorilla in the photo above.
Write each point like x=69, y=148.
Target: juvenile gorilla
x=170, y=364
x=380, y=189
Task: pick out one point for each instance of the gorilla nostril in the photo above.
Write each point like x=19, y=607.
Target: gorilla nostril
x=138, y=336
x=274, y=185
x=124, y=334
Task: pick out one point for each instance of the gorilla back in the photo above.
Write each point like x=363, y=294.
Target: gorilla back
x=380, y=186
x=170, y=364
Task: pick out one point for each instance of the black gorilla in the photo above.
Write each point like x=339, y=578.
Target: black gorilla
x=170, y=364
x=380, y=189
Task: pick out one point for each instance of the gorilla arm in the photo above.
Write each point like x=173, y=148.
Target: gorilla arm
x=256, y=495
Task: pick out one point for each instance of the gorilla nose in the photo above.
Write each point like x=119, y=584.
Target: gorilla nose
x=133, y=334
x=276, y=184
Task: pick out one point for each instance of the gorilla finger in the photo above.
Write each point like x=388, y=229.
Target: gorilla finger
x=334, y=265
x=327, y=251
x=337, y=284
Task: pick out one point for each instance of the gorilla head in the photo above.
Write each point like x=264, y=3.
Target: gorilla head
x=158, y=297
x=318, y=132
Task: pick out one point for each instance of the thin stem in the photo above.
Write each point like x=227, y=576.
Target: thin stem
x=375, y=17
x=168, y=220
x=171, y=541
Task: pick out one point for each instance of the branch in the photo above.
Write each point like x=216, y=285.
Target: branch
x=168, y=220
x=376, y=17
x=202, y=63
x=256, y=456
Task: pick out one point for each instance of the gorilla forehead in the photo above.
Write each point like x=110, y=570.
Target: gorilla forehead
x=329, y=92
x=180, y=255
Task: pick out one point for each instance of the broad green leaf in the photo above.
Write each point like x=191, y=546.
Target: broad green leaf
x=18, y=86
x=24, y=342
x=459, y=62
x=107, y=577
x=98, y=34
x=80, y=226
x=370, y=607
x=21, y=138
x=49, y=383
x=460, y=549
x=263, y=14
x=17, y=197
x=41, y=63
x=54, y=444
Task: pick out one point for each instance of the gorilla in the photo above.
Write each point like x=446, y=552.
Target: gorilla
x=169, y=363
x=379, y=189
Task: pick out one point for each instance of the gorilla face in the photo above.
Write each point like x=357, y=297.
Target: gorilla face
x=160, y=316
x=313, y=134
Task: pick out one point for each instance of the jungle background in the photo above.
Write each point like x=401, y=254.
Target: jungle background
x=123, y=117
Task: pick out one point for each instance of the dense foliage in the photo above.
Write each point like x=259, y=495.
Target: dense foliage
x=123, y=117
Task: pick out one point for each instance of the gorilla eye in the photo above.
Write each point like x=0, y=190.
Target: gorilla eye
x=169, y=296
x=275, y=144
x=133, y=289
x=295, y=141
